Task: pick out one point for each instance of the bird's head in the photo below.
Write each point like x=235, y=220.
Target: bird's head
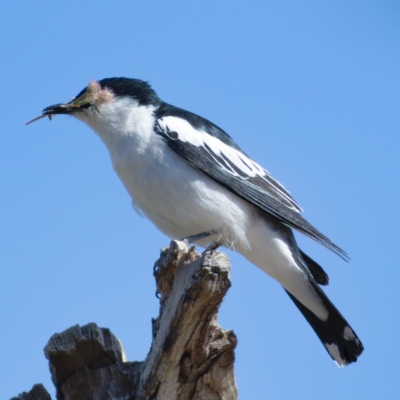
x=104, y=97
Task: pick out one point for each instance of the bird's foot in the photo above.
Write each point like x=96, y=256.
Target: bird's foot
x=212, y=247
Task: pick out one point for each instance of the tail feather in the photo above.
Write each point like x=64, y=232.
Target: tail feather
x=320, y=276
x=337, y=336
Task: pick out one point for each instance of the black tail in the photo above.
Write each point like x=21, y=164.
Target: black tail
x=335, y=333
x=320, y=276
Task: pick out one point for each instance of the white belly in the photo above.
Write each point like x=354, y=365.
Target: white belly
x=180, y=200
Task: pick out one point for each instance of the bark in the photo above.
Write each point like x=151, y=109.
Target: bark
x=191, y=357
x=38, y=392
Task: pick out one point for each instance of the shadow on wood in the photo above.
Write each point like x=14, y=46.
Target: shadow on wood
x=191, y=357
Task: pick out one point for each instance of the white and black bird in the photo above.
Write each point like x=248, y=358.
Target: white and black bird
x=193, y=181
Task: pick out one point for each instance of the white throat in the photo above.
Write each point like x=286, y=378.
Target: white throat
x=120, y=119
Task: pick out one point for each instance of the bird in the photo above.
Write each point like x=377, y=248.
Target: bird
x=193, y=182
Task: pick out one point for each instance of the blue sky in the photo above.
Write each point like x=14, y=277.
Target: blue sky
x=309, y=89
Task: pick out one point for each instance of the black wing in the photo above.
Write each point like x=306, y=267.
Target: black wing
x=209, y=149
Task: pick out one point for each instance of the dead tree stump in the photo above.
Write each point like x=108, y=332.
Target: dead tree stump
x=191, y=357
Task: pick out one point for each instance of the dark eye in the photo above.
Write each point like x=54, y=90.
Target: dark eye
x=85, y=106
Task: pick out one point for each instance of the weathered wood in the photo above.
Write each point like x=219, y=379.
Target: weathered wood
x=88, y=363
x=38, y=392
x=191, y=357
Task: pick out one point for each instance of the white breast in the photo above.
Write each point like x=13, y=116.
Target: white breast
x=180, y=200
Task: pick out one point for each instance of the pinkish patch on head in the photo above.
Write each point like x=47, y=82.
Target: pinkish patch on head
x=104, y=96
x=99, y=95
x=93, y=86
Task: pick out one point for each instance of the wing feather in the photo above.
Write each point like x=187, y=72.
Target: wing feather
x=212, y=151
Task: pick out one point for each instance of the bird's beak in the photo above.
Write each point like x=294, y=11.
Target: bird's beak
x=75, y=105
x=62, y=108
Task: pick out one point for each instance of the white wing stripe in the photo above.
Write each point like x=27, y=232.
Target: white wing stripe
x=198, y=138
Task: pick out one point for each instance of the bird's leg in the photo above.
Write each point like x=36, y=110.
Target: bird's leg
x=212, y=247
x=195, y=238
